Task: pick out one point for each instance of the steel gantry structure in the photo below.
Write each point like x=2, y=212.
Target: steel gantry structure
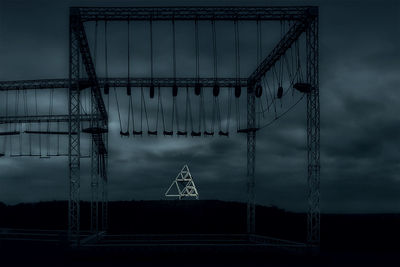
x=305, y=21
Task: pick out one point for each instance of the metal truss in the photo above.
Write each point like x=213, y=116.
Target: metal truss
x=191, y=13
x=251, y=160
x=305, y=20
x=121, y=82
x=94, y=170
x=41, y=118
x=89, y=67
x=284, y=44
x=74, y=126
x=313, y=134
x=104, y=186
x=308, y=24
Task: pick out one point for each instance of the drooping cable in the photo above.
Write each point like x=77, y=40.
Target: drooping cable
x=145, y=113
x=196, y=34
x=214, y=41
x=175, y=87
x=237, y=51
x=119, y=113
x=174, y=50
x=151, y=51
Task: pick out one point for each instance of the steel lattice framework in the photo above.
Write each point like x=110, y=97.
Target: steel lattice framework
x=305, y=20
x=121, y=82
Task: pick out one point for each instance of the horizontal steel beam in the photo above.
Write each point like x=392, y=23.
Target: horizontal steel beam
x=119, y=82
x=191, y=13
x=40, y=118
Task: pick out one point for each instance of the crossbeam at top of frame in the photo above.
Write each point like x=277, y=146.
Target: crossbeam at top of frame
x=121, y=82
x=192, y=13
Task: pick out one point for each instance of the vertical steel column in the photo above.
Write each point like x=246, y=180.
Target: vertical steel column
x=251, y=158
x=74, y=130
x=313, y=132
x=94, y=168
x=104, y=181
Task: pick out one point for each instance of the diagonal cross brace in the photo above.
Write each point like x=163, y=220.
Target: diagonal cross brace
x=90, y=70
x=284, y=44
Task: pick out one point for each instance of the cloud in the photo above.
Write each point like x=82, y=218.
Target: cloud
x=358, y=94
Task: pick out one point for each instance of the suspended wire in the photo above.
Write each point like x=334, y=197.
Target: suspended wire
x=158, y=108
x=229, y=111
x=129, y=73
x=237, y=51
x=8, y=125
x=174, y=49
x=292, y=79
x=162, y=111
x=282, y=114
x=200, y=111
x=190, y=107
x=145, y=110
x=259, y=43
x=281, y=61
x=214, y=40
x=106, y=50
x=151, y=50
x=119, y=113
x=237, y=107
x=298, y=60
x=48, y=123
x=95, y=45
x=196, y=34
x=187, y=108
x=39, y=124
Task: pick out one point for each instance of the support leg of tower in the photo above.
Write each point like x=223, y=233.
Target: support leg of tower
x=313, y=136
x=74, y=139
x=104, y=195
x=251, y=155
x=94, y=174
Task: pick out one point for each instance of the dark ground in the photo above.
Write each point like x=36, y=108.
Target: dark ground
x=346, y=239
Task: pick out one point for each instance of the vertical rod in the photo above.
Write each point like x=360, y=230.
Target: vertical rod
x=104, y=181
x=74, y=127
x=94, y=170
x=251, y=155
x=313, y=134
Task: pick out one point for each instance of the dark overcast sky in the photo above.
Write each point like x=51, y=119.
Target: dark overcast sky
x=359, y=83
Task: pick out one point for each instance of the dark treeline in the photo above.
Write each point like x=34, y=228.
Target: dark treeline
x=338, y=231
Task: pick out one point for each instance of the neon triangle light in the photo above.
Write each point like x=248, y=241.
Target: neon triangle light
x=183, y=186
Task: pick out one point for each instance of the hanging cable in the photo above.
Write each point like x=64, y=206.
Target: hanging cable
x=174, y=53
x=147, y=118
x=258, y=87
x=128, y=86
x=214, y=41
x=174, y=87
x=282, y=114
x=197, y=87
x=184, y=133
x=151, y=60
x=165, y=132
x=141, y=114
x=238, y=88
x=106, y=85
x=119, y=113
x=226, y=132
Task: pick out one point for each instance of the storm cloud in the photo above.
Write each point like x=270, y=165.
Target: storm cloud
x=359, y=80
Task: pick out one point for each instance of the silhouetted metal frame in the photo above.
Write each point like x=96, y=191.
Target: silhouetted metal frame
x=313, y=134
x=306, y=20
x=164, y=83
x=74, y=126
x=309, y=24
